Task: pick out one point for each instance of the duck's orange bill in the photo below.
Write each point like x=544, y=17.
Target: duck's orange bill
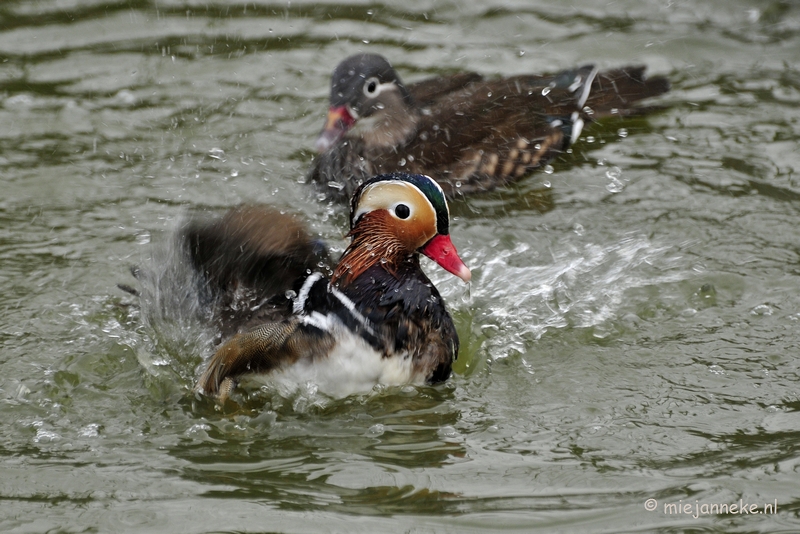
x=441, y=250
x=338, y=122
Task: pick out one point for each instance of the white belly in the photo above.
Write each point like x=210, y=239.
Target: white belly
x=353, y=366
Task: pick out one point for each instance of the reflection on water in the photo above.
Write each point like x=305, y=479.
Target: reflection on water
x=630, y=332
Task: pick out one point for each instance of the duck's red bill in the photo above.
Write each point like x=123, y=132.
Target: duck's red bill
x=441, y=250
x=338, y=122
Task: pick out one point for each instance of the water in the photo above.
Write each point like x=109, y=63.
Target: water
x=631, y=331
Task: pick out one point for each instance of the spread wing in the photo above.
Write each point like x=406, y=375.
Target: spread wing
x=249, y=259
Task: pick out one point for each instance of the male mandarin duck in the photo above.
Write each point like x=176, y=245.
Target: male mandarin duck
x=468, y=133
x=377, y=319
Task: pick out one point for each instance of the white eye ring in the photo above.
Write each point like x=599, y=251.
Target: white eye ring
x=372, y=87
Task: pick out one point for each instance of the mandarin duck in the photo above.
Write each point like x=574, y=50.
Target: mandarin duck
x=468, y=133
x=375, y=319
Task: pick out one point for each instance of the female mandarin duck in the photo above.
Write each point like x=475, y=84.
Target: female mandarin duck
x=377, y=319
x=469, y=134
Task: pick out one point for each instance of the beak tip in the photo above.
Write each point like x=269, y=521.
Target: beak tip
x=441, y=250
x=465, y=274
x=338, y=122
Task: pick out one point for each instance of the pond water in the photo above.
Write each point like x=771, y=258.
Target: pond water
x=631, y=331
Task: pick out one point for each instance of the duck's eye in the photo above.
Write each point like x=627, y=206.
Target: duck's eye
x=402, y=211
x=371, y=87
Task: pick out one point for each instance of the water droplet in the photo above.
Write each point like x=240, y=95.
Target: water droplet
x=45, y=435
x=528, y=367
x=615, y=185
x=90, y=431
x=548, y=169
x=402, y=162
x=762, y=309
x=448, y=431
x=622, y=132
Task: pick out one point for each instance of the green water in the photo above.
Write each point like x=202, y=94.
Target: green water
x=631, y=331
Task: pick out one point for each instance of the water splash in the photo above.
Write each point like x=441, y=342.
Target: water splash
x=582, y=286
x=175, y=313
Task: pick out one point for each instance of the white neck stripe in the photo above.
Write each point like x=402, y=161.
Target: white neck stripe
x=317, y=319
x=351, y=307
x=302, y=296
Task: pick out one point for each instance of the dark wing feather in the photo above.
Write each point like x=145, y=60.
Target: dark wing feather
x=249, y=259
x=488, y=135
x=426, y=91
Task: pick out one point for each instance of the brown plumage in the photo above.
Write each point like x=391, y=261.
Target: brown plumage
x=469, y=134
